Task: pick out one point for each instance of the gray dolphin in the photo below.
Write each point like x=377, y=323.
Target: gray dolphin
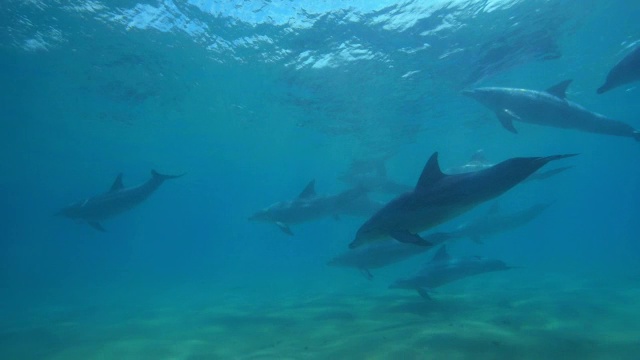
x=309, y=206
x=548, y=108
x=117, y=200
x=494, y=222
x=443, y=269
x=438, y=197
x=372, y=175
x=626, y=71
x=383, y=253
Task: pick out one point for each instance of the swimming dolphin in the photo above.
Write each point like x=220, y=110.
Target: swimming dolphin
x=494, y=222
x=372, y=175
x=383, y=253
x=549, y=108
x=439, y=197
x=626, y=71
x=309, y=206
x=443, y=269
x=117, y=200
x=479, y=162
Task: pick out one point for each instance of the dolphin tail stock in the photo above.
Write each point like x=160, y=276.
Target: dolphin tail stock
x=636, y=135
x=163, y=177
x=547, y=159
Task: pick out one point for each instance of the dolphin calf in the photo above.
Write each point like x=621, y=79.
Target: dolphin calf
x=494, y=222
x=115, y=201
x=443, y=269
x=309, y=206
x=439, y=197
x=549, y=108
x=626, y=71
x=383, y=253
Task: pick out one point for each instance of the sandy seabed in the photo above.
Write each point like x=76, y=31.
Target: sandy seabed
x=543, y=320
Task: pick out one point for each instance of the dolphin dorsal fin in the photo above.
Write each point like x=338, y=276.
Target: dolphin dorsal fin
x=430, y=174
x=117, y=184
x=560, y=89
x=441, y=255
x=309, y=190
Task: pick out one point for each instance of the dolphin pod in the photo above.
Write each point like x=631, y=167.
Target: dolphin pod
x=439, y=197
x=115, y=201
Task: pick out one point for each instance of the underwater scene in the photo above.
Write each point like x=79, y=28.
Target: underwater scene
x=296, y=179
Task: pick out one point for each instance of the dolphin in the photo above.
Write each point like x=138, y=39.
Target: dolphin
x=309, y=206
x=494, y=222
x=372, y=175
x=549, y=108
x=478, y=162
x=115, y=201
x=439, y=197
x=443, y=269
x=626, y=71
x=383, y=253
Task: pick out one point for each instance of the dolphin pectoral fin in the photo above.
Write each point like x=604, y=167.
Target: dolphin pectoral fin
x=409, y=238
x=285, y=228
x=424, y=293
x=96, y=225
x=506, y=118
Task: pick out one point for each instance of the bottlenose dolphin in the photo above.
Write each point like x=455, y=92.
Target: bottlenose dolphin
x=438, y=197
x=549, y=108
x=309, y=206
x=443, y=269
x=372, y=175
x=494, y=222
x=118, y=199
x=383, y=253
x=479, y=162
x=626, y=71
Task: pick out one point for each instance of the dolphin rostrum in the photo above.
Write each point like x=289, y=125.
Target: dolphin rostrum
x=443, y=269
x=309, y=206
x=439, y=197
x=626, y=71
x=548, y=108
x=115, y=201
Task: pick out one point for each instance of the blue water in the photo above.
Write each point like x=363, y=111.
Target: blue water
x=253, y=99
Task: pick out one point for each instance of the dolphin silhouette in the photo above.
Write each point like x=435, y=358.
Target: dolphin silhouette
x=115, y=201
x=439, y=197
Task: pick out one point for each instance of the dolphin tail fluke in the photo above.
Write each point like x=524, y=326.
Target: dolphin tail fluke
x=163, y=177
